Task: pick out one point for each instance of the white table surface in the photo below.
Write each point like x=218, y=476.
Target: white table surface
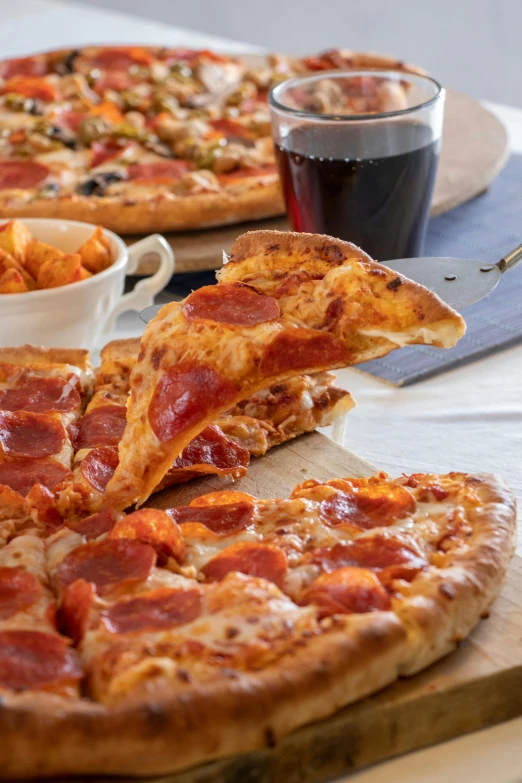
x=467, y=419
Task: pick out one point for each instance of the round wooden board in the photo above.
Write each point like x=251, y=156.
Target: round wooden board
x=474, y=150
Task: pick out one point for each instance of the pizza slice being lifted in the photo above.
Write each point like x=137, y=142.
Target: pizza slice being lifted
x=286, y=304
x=266, y=419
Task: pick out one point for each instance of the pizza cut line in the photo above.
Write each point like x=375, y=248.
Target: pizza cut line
x=145, y=139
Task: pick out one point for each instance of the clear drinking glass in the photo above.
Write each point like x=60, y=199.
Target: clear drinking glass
x=357, y=153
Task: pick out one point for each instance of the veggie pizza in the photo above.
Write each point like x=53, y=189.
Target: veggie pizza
x=144, y=139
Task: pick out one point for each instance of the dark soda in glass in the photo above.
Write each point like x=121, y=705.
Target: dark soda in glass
x=357, y=152
x=379, y=202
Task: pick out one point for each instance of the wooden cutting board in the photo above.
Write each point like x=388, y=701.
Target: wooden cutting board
x=474, y=150
x=478, y=685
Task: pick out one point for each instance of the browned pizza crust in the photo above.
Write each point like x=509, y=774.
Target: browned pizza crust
x=254, y=243
x=154, y=734
x=117, y=360
x=116, y=351
x=354, y=656
x=382, y=62
x=32, y=354
x=348, y=58
x=258, y=200
x=445, y=603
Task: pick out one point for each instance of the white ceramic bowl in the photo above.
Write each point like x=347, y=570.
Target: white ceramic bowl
x=76, y=315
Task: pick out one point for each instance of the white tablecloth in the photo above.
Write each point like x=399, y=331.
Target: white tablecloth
x=467, y=419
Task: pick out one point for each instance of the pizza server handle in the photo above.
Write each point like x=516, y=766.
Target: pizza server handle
x=144, y=292
x=510, y=260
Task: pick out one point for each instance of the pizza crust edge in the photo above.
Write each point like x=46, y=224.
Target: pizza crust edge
x=256, y=710
x=144, y=216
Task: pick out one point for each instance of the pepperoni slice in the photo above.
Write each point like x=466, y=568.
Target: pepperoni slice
x=120, y=58
x=19, y=590
x=234, y=176
x=25, y=174
x=398, y=559
x=24, y=434
x=103, y=151
x=33, y=659
x=262, y=560
x=73, y=615
x=106, y=563
x=315, y=63
x=212, y=447
x=30, y=87
x=181, y=53
x=95, y=525
x=161, y=173
x=159, y=609
x=234, y=305
x=347, y=591
x=117, y=81
x=220, y=519
x=39, y=395
x=369, y=506
x=102, y=426
x=23, y=474
x=153, y=527
x=185, y=395
x=302, y=349
x=232, y=128
x=71, y=119
x=99, y=465
x=23, y=66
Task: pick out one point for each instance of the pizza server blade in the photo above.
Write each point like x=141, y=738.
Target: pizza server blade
x=459, y=282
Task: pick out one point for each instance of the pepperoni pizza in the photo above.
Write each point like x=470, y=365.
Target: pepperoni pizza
x=285, y=304
x=146, y=139
x=150, y=642
x=42, y=395
x=60, y=426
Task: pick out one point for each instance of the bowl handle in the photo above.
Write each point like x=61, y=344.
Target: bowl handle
x=144, y=291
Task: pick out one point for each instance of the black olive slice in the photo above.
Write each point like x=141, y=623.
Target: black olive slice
x=67, y=64
x=97, y=184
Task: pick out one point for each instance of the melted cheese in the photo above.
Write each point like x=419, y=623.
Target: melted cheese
x=199, y=551
x=292, y=525
x=27, y=552
x=60, y=544
x=252, y=624
x=445, y=335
